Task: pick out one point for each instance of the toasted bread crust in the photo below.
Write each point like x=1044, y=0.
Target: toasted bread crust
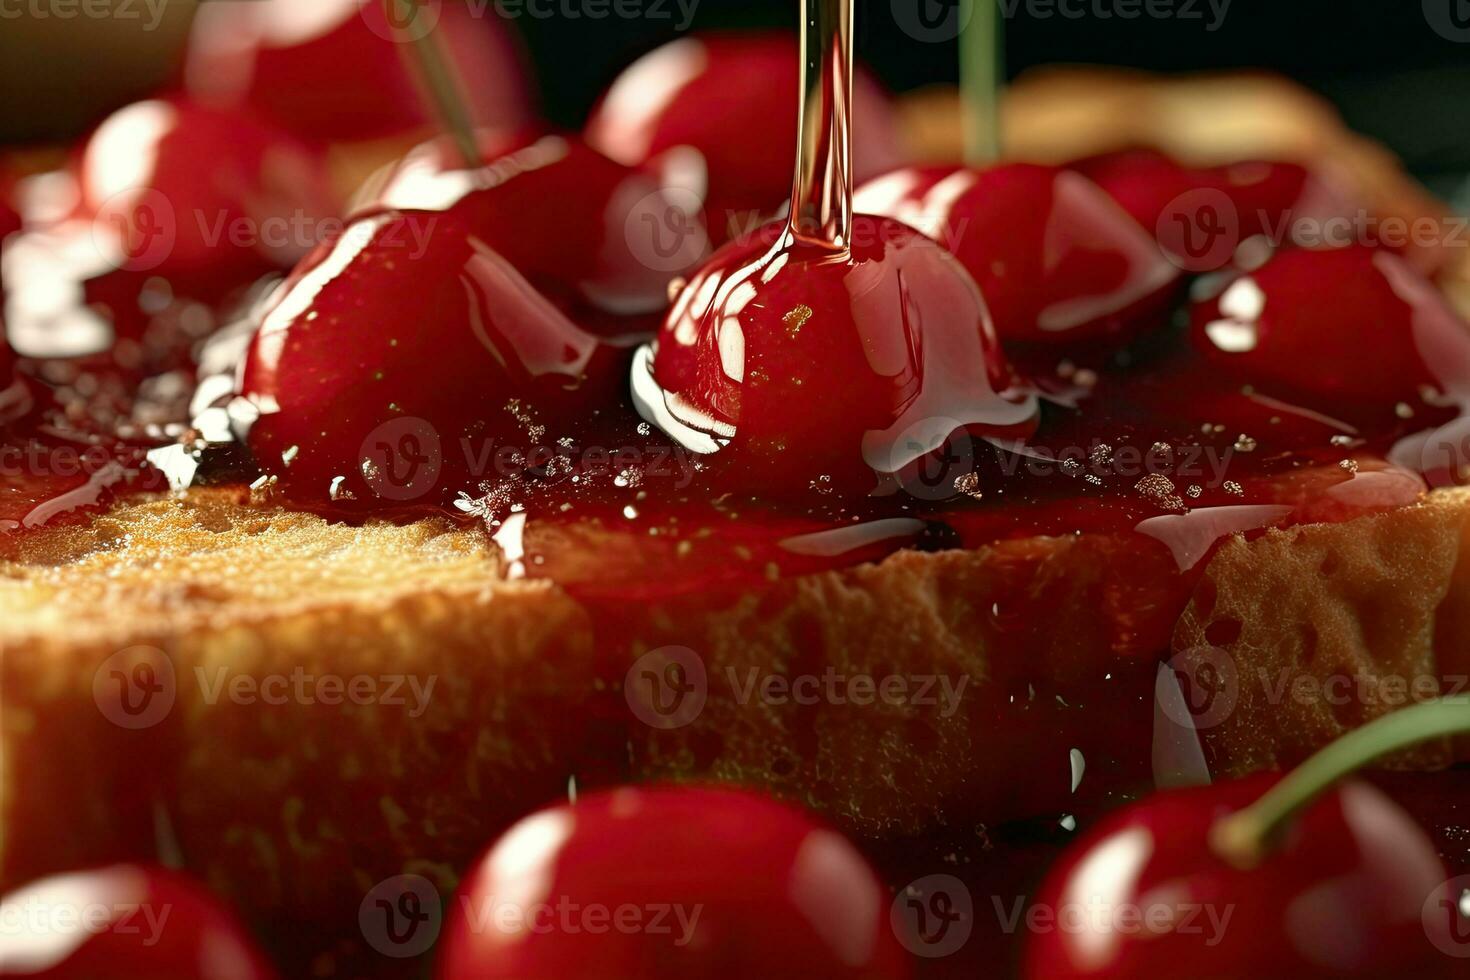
x=299, y=806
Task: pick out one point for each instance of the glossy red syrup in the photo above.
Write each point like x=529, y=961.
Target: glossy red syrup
x=733, y=99
x=812, y=366
x=1057, y=261
x=1342, y=895
x=124, y=922
x=335, y=70
x=749, y=887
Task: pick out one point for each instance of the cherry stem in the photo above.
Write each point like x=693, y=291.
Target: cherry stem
x=444, y=88
x=1245, y=837
x=821, y=197
x=982, y=73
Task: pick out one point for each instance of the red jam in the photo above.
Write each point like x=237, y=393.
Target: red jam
x=722, y=95
x=334, y=70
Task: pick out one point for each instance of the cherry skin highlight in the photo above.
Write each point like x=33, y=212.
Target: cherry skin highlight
x=724, y=95
x=200, y=192
x=1342, y=895
x=337, y=70
x=1347, y=328
x=1231, y=203
x=396, y=346
x=1055, y=258
x=599, y=239
x=155, y=923
x=803, y=366
x=777, y=894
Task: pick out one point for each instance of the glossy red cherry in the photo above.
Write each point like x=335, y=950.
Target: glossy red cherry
x=600, y=239
x=395, y=355
x=1143, y=895
x=171, y=210
x=650, y=883
x=725, y=96
x=124, y=922
x=1348, y=327
x=202, y=192
x=1055, y=258
x=801, y=366
x=339, y=70
x=1267, y=197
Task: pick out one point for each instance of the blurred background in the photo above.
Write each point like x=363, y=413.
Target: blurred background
x=1399, y=70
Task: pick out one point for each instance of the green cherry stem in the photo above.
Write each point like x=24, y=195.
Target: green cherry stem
x=435, y=68
x=1245, y=838
x=982, y=72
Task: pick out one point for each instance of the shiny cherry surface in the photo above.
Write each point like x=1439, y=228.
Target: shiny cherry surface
x=172, y=211
x=742, y=887
x=340, y=70
x=1342, y=895
x=400, y=343
x=1056, y=259
x=600, y=239
x=734, y=99
x=124, y=922
x=802, y=365
x=189, y=188
x=1343, y=327
x=1261, y=197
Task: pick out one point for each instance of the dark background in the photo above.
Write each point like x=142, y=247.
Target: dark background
x=1382, y=62
x=1392, y=74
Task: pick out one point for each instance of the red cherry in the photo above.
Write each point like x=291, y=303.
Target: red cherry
x=724, y=95
x=176, y=209
x=600, y=239
x=1146, y=182
x=202, y=192
x=403, y=337
x=124, y=922
x=338, y=70
x=805, y=366
x=741, y=887
x=1055, y=258
x=1144, y=895
x=1347, y=327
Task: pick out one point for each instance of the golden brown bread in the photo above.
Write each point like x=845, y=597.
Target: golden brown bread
x=297, y=807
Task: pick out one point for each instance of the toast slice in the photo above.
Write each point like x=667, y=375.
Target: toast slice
x=503, y=694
